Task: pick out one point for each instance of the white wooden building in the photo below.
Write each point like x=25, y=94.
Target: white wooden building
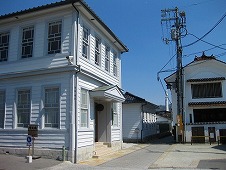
x=204, y=99
x=60, y=69
x=139, y=119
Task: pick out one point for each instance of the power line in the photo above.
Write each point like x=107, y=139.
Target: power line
x=206, y=42
x=221, y=19
x=203, y=50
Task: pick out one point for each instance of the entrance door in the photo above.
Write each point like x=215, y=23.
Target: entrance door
x=102, y=122
x=212, y=134
x=198, y=131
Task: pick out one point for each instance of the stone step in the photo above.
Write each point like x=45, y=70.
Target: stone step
x=102, y=149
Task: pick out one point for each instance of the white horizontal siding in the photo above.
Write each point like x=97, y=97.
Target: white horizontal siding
x=45, y=139
x=115, y=134
x=85, y=138
x=40, y=58
x=131, y=118
x=36, y=85
x=89, y=64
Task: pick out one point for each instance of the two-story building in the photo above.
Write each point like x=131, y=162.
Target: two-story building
x=60, y=69
x=204, y=99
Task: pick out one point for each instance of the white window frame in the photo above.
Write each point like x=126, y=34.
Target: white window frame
x=115, y=115
x=23, y=107
x=2, y=108
x=84, y=104
x=27, y=42
x=54, y=37
x=97, y=51
x=85, y=42
x=107, y=58
x=115, y=65
x=52, y=106
x=4, y=46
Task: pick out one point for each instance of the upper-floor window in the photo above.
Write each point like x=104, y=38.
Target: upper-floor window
x=85, y=42
x=27, y=42
x=97, y=51
x=206, y=90
x=84, y=108
x=107, y=58
x=23, y=108
x=2, y=108
x=115, y=67
x=4, y=46
x=54, y=37
x=52, y=107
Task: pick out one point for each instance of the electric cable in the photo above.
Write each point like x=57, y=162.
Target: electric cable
x=206, y=42
x=221, y=19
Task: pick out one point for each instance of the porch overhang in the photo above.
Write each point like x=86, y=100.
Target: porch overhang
x=108, y=93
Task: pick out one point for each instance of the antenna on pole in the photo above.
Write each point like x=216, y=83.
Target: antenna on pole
x=177, y=22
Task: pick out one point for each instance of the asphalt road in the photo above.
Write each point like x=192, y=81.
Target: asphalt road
x=142, y=158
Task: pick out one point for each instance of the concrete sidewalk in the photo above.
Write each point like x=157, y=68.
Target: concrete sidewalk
x=180, y=156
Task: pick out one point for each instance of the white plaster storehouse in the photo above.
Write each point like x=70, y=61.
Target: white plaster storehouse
x=60, y=69
x=139, y=119
x=204, y=102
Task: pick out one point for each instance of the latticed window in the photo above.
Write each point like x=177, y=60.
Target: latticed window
x=115, y=114
x=107, y=58
x=206, y=90
x=4, y=46
x=23, y=108
x=27, y=42
x=52, y=107
x=54, y=37
x=84, y=108
x=2, y=109
x=97, y=51
x=85, y=42
x=115, y=68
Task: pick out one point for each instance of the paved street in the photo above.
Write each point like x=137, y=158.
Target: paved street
x=143, y=158
x=160, y=154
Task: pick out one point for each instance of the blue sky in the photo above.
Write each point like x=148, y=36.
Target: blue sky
x=138, y=25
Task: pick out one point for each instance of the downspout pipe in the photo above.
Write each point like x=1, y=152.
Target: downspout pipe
x=74, y=123
x=142, y=116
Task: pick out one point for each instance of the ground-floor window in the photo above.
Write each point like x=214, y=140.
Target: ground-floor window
x=84, y=108
x=115, y=114
x=209, y=115
x=52, y=107
x=2, y=108
x=23, y=107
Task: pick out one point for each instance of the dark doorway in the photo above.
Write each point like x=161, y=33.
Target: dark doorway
x=222, y=133
x=96, y=123
x=212, y=134
x=198, y=131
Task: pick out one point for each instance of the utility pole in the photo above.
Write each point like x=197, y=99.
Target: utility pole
x=177, y=24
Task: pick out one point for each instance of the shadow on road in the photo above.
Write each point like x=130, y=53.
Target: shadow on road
x=165, y=140
x=220, y=147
